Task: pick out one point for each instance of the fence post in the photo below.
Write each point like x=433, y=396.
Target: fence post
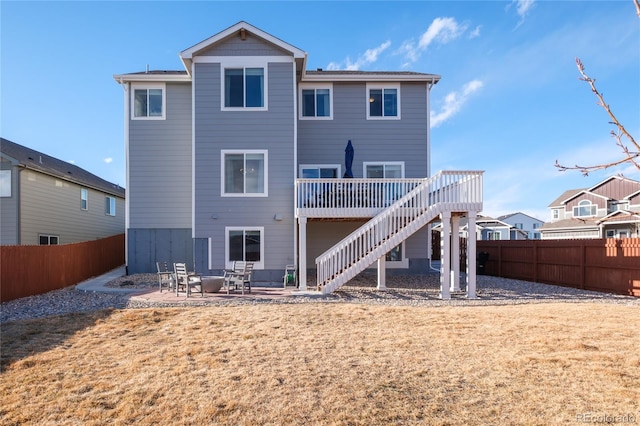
x=583, y=263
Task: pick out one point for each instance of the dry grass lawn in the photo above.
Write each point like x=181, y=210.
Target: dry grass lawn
x=324, y=364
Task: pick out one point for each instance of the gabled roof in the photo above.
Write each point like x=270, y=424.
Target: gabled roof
x=621, y=216
x=611, y=178
x=568, y=194
x=584, y=191
x=507, y=216
x=43, y=163
x=187, y=55
x=572, y=223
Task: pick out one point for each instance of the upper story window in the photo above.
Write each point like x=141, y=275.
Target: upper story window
x=536, y=225
x=84, y=198
x=584, y=209
x=555, y=214
x=110, y=206
x=244, y=87
x=321, y=171
x=244, y=173
x=383, y=101
x=316, y=101
x=5, y=183
x=614, y=205
x=148, y=101
x=518, y=225
x=388, y=170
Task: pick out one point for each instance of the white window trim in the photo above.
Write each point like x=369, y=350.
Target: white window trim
x=84, y=196
x=139, y=86
x=320, y=166
x=244, y=63
x=245, y=151
x=382, y=163
x=383, y=86
x=229, y=264
x=49, y=236
x=112, y=201
x=308, y=86
x=583, y=204
x=399, y=264
x=6, y=190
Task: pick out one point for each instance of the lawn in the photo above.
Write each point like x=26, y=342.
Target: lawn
x=321, y=363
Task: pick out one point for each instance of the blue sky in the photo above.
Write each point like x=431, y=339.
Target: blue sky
x=509, y=102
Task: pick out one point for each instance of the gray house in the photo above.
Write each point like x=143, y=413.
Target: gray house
x=242, y=156
x=46, y=201
x=525, y=225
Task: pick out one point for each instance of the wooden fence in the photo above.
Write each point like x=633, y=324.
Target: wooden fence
x=30, y=270
x=607, y=265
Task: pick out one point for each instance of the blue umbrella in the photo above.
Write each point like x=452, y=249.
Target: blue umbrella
x=348, y=160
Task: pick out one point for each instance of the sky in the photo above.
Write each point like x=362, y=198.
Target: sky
x=509, y=102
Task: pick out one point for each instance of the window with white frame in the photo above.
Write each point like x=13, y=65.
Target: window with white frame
x=48, y=240
x=518, y=226
x=615, y=205
x=584, y=209
x=84, y=199
x=316, y=101
x=395, y=258
x=383, y=101
x=110, y=207
x=5, y=183
x=244, y=87
x=319, y=171
x=555, y=214
x=148, y=101
x=244, y=173
x=244, y=244
x=386, y=170
x=493, y=235
x=536, y=225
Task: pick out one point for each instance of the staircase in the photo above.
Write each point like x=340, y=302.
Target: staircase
x=459, y=191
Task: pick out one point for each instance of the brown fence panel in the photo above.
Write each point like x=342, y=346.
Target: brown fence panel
x=609, y=265
x=30, y=270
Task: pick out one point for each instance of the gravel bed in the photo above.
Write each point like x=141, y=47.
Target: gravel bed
x=407, y=290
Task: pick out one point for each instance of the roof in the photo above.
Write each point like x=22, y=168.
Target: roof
x=507, y=216
x=570, y=223
x=187, y=57
x=558, y=202
x=43, y=163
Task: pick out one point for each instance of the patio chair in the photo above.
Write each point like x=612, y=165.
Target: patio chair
x=239, y=276
x=187, y=280
x=165, y=276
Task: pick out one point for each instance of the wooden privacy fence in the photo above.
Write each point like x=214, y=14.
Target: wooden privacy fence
x=606, y=265
x=30, y=270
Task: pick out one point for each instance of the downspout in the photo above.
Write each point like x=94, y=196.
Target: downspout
x=127, y=89
x=429, y=226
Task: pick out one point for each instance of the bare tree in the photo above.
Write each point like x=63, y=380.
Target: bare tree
x=629, y=146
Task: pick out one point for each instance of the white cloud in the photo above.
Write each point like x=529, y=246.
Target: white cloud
x=522, y=9
x=475, y=32
x=368, y=57
x=441, y=30
x=108, y=160
x=454, y=101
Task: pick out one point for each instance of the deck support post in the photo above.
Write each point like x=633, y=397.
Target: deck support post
x=455, y=253
x=302, y=253
x=445, y=256
x=471, y=255
x=382, y=272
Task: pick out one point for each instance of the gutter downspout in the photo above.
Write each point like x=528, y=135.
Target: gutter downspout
x=127, y=89
x=429, y=226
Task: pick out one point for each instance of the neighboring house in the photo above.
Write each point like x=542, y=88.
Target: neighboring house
x=530, y=225
x=488, y=228
x=47, y=201
x=241, y=156
x=609, y=209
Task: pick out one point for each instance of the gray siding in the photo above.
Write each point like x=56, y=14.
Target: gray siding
x=271, y=130
x=51, y=206
x=159, y=187
x=323, y=141
x=9, y=209
x=145, y=247
x=252, y=46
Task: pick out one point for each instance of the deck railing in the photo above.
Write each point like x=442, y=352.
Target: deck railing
x=446, y=191
x=349, y=197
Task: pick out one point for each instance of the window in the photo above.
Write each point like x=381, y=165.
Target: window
x=383, y=101
x=536, y=235
x=84, y=197
x=110, y=206
x=244, y=173
x=615, y=205
x=518, y=226
x=493, y=235
x=148, y=101
x=395, y=257
x=5, y=183
x=555, y=214
x=312, y=171
x=390, y=170
x=584, y=209
x=316, y=102
x=536, y=225
x=48, y=240
x=246, y=244
x=244, y=88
